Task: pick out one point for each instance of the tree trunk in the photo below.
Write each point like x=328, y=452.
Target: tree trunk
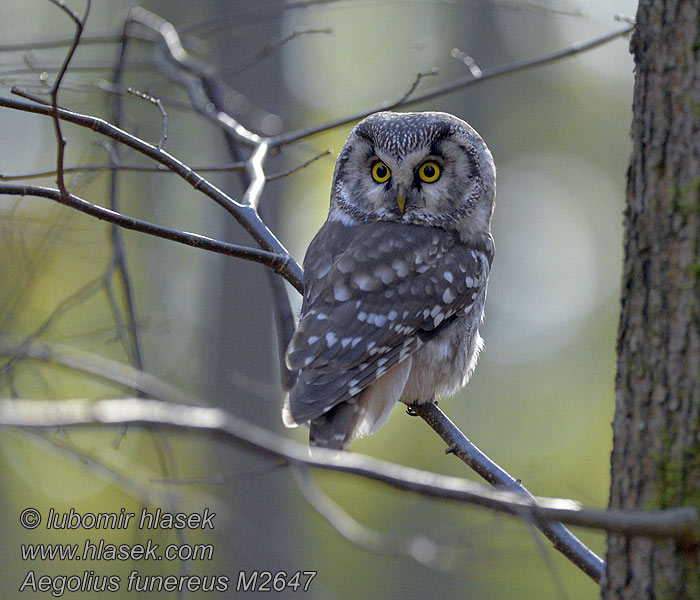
x=656, y=453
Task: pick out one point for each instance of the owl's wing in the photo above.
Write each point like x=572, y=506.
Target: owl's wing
x=374, y=294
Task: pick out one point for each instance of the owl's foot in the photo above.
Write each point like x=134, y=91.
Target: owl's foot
x=410, y=412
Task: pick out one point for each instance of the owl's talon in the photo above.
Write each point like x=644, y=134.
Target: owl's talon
x=410, y=412
x=451, y=449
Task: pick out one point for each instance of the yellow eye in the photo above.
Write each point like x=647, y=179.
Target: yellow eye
x=380, y=172
x=429, y=171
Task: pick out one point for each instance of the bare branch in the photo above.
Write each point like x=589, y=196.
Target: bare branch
x=245, y=215
x=680, y=523
x=106, y=369
x=457, y=84
x=459, y=445
x=277, y=262
x=60, y=142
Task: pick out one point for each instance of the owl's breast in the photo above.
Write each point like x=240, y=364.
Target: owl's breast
x=444, y=364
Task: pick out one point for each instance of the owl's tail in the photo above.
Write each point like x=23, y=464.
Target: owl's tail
x=337, y=428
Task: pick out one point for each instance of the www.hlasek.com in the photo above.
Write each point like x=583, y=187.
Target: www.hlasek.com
x=97, y=548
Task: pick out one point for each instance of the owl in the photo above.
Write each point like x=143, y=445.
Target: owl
x=395, y=279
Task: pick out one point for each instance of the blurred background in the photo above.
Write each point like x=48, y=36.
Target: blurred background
x=541, y=400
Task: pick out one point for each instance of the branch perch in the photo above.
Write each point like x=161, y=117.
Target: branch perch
x=459, y=445
x=681, y=523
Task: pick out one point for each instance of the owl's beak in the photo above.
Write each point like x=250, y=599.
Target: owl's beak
x=401, y=200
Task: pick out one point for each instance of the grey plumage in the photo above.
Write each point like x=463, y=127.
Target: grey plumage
x=396, y=278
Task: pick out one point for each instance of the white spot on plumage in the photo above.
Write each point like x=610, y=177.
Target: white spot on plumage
x=341, y=291
x=353, y=391
x=321, y=316
x=400, y=266
x=382, y=361
x=313, y=339
x=365, y=282
x=380, y=320
x=448, y=275
x=308, y=360
x=436, y=310
x=447, y=296
x=331, y=339
x=438, y=319
x=386, y=274
x=345, y=342
x=380, y=372
x=392, y=315
x=362, y=316
x=469, y=281
x=353, y=382
x=355, y=341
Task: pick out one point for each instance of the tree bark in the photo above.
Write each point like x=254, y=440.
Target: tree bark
x=656, y=454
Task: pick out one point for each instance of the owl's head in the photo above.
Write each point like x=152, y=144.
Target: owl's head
x=423, y=168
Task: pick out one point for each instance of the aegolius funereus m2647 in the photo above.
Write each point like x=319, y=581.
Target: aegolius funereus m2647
x=396, y=277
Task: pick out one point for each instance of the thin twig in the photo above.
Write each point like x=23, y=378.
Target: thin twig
x=225, y=168
x=159, y=104
x=228, y=168
x=457, y=84
x=60, y=141
x=416, y=82
x=303, y=165
x=252, y=59
x=418, y=548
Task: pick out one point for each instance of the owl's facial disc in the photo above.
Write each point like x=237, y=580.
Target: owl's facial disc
x=415, y=168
